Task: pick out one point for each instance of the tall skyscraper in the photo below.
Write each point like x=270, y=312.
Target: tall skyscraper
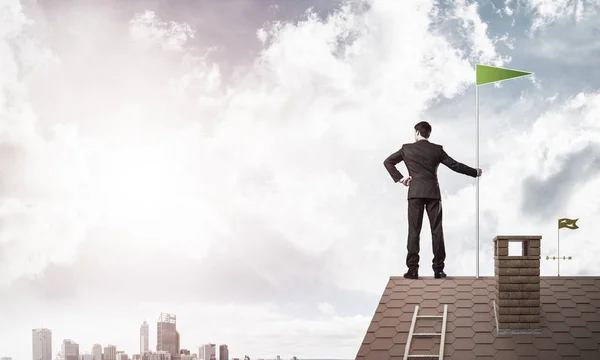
x=144, y=337
x=110, y=352
x=70, y=350
x=208, y=352
x=97, y=352
x=166, y=334
x=223, y=352
x=42, y=344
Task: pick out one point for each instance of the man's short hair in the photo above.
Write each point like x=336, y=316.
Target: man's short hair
x=424, y=129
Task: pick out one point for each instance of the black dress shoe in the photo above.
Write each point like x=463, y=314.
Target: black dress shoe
x=439, y=274
x=411, y=275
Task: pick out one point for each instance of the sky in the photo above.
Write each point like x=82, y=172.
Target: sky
x=223, y=160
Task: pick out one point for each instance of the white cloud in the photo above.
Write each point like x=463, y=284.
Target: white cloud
x=326, y=308
x=481, y=45
x=146, y=27
x=549, y=11
x=507, y=9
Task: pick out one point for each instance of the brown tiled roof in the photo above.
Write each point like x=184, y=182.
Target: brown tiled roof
x=570, y=320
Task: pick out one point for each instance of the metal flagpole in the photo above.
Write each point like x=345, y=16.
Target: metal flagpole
x=485, y=75
x=477, y=178
x=558, y=245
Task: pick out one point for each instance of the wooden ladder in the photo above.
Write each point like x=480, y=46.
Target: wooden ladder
x=412, y=333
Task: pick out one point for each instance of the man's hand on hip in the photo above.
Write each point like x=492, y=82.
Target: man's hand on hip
x=406, y=181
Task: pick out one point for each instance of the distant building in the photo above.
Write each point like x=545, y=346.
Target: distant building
x=5, y=358
x=166, y=334
x=184, y=352
x=69, y=350
x=42, y=344
x=278, y=357
x=159, y=355
x=121, y=355
x=136, y=357
x=144, y=337
x=223, y=352
x=97, y=352
x=86, y=357
x=110, y=352
x=208, y=352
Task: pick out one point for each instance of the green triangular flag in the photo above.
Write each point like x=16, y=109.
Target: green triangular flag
x=488, y=74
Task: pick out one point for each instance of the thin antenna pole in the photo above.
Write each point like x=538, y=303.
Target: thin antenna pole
x=558, y=246
x=477, y=179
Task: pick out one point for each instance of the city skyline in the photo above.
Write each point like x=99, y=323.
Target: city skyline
x=167, y=338
x=70, y=349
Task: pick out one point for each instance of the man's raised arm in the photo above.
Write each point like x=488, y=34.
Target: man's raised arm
x=390, y=164
x=456, y=166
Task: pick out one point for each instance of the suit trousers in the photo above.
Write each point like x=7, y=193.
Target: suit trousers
x=416, y=207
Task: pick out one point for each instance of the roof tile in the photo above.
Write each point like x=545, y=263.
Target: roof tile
x=389, y=321
x=381, y=343
x=464, y=332
x=463, y=344
x=589, y=355
x=484, y=350
x=586, y=344
x=483, y=338
x=567, y=350
x=483, y=327
x=385, y=332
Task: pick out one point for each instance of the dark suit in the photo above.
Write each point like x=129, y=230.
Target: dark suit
x=422, y=159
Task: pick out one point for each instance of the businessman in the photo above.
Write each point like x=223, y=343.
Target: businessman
x=422, y=159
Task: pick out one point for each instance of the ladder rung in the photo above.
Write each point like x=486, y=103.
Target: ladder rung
x=412, y=333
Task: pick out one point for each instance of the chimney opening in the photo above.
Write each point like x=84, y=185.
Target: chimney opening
x=515, y=248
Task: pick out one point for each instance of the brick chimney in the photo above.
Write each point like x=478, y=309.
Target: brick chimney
x=517, y=304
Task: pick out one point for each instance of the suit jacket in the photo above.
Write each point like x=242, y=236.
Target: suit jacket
x=422, y=159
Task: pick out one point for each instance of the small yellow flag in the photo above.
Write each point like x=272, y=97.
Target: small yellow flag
x=567, y=223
